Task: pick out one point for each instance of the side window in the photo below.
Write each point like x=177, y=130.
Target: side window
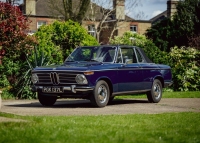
x=140, y=59
x=128, y=55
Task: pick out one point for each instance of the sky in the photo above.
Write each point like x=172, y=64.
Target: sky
x=150, y=8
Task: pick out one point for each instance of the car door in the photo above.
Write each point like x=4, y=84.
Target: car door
x=149, y=70
x=130, y=76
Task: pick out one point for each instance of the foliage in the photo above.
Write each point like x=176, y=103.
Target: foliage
x=22, y=87
x=12, y=27
x=147, y=128
x=161, y=34
x=187, y=17
x=62, y=37
x=194, y=41
x=13, y=42
x=177, y=32
x=130, y=38
x=185, y=68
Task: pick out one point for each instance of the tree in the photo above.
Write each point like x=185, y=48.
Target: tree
x=178, y=30
x=103, y=13
x=161, y=34
x=13, y=26
x=71, y=9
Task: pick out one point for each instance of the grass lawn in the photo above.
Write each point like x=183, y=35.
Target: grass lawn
x=152, y=128
x=190, y=94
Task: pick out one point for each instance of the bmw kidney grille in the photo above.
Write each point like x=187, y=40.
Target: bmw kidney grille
x=54, y=78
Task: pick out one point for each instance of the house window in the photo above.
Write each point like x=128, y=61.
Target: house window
x=91, y=30
x=133, y=28
x=40, y=23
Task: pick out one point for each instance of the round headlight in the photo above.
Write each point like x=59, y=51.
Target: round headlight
x=81, y=79
x=34, y=78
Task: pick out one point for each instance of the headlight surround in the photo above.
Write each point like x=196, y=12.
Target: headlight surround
x=81, y=79
x=34, y=78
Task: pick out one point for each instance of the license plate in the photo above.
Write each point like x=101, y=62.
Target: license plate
x=52, y=90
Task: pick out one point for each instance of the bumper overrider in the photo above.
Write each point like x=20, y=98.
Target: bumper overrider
x=72, y=88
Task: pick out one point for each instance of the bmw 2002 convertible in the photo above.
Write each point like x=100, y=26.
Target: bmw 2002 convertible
x=99, y=73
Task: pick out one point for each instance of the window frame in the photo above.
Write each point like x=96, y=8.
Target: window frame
x=43, y=23
x=134, y=27
x=92, y=30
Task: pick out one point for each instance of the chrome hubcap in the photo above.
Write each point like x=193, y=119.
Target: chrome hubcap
x=157, y=91
x=102, y=93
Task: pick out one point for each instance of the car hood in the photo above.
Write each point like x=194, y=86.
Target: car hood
x=75, y=66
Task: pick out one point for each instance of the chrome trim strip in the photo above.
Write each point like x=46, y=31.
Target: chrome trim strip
x=126, y=68
x=66, y=88
x=83, y=88
x=129, y=92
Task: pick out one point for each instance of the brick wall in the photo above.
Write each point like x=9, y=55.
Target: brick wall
x=34, y=20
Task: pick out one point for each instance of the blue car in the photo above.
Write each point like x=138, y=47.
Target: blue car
x=99, y=73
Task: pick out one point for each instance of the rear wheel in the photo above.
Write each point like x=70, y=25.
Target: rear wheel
x=155, y=95
x=101, y=94
x=46, y=100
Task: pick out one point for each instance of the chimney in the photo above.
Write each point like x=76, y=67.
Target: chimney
x=30, y=7
x=171, y=7
x=119, y=7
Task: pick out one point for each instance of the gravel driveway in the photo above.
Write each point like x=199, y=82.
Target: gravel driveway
x=66, y=107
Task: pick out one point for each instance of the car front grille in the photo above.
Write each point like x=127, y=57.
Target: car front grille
x=56, y=78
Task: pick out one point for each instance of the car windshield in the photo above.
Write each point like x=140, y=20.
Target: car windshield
x=98, y=54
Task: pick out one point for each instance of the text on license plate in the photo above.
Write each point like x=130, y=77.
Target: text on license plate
x=53, y=89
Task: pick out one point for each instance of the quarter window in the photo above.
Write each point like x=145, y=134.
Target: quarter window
x=140, y=59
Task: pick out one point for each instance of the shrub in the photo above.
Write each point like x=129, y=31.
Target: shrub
x=185, y=68
x=62, y=37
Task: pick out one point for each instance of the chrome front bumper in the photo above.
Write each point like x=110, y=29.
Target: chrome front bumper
x=166, y=84
x=72, y=88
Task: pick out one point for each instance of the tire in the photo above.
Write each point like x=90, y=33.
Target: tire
x=111, y=99
x=101, y=94
x=155, y=95
x=46, y=100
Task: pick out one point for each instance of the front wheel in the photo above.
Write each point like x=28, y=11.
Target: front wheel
x=101, y=94
x=155, y=95
x=46, y=100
